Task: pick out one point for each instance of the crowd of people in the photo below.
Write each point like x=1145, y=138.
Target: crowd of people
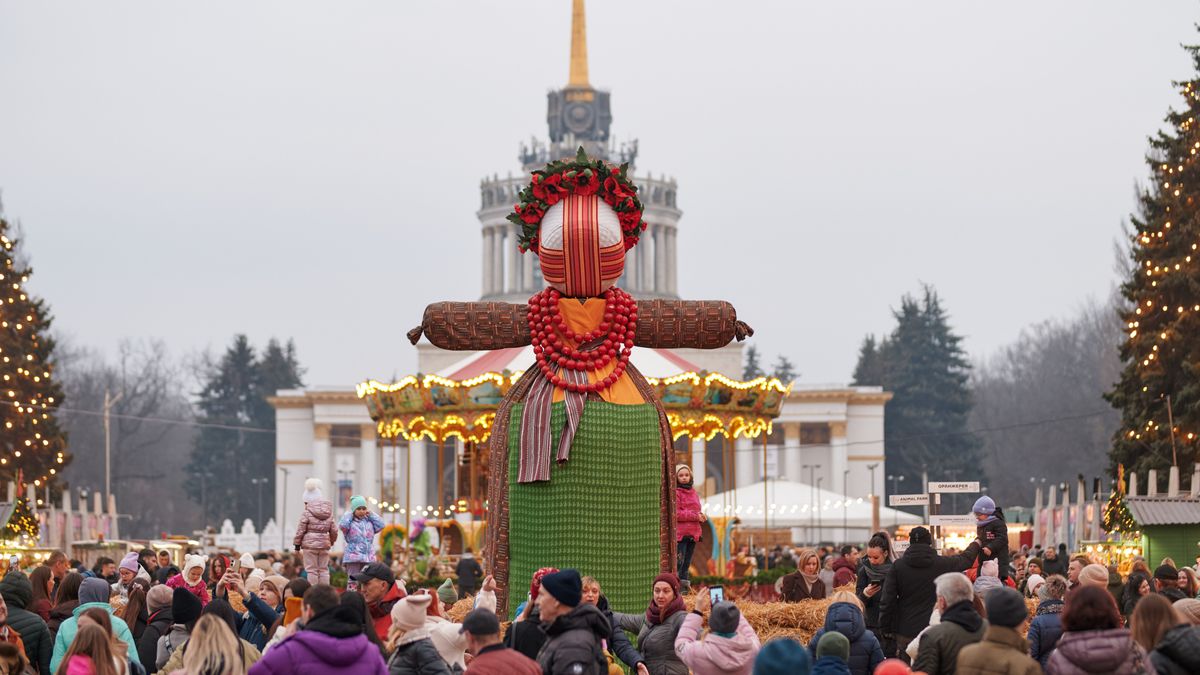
x=981, y=610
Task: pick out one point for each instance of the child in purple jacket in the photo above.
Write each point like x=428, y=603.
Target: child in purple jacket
x=359, y=526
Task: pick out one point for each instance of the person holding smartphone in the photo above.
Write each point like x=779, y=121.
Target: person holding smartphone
x=872, y=570
x=731, y=644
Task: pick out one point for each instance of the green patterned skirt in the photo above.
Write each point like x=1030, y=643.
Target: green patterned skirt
x=599, y=513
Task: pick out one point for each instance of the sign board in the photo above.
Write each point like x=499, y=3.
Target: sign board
x=954, y=521
x=968, y=486
x=908, y=500
x=899, y=547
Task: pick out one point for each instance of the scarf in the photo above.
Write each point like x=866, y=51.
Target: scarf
x=686, y=486
x=655, y=616
x=987, y=521
x=810, y=579
x=877, y=573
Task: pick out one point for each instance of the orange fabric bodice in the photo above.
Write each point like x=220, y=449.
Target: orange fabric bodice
x=586, y=316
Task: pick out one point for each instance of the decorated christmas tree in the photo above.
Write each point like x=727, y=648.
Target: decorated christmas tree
x=32, y=448
x=1159, y=390
x=1117, y=519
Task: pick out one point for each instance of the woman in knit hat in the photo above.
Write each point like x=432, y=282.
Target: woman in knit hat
x=1046, y=627
x=413, y=652
x=658, y=627
x=359, y=526
x=688, y=519
x=447, y=637
x=158, y=624
x=192, y=578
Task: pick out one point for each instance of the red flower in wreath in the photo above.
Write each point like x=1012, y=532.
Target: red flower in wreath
x=629, y=219
x=589, y=185
x=549, y=189
x=530, y=213
x=617, y=189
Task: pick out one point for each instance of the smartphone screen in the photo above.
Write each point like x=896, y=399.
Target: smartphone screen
x=716, y=594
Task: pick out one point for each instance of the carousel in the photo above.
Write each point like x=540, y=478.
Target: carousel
x=458, y=406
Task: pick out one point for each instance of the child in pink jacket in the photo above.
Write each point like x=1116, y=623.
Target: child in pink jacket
x=730, y=646
x=316, y=532
x=688, y=517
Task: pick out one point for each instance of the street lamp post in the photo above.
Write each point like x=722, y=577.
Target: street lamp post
x=845, y=503
x=259, y=482
x=812, y=491
x=819, y=480
x=283, y=517
x=871, y=468
x=895, y=479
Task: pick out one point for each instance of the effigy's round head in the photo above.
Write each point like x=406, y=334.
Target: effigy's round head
x=580, y=246
x=580, y=216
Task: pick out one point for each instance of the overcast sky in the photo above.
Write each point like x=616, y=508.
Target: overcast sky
x=187, y=171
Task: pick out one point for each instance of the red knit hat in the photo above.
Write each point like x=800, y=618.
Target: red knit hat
x=537, y=581
x=670, y=579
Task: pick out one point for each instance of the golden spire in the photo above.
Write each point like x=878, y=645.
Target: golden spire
x=579, y=68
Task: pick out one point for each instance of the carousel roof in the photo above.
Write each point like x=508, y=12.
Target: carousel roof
x=656, y=363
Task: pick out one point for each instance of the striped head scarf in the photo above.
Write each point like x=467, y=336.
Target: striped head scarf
x=581, y=248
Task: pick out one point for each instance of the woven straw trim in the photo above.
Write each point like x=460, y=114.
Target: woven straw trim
x=662, y=324
x=496, y=536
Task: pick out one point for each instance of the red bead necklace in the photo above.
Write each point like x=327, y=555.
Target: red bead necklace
x=548, y=328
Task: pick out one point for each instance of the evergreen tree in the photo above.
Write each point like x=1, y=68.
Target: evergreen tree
x=239, y=443
x=752, y=369
x=1160, y=383
x=784, y=370
x=923, y=364
x=32, y=448
x=869, y=369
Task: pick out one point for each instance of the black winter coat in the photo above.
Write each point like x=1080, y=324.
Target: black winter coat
x=419, y=657
x=573, y=644
x=869, y=574
x=908, y=593
x=18, y=593
x=994, y=537
x=158, y=625
x=1178, y=653
x=961, y=626
x=865, y=652
x=528, y=636
x=469, y=573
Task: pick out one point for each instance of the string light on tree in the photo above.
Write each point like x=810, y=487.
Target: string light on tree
x=1159, y=389
x=32, y=448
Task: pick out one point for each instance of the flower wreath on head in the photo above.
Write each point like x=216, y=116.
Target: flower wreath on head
x=579, y=176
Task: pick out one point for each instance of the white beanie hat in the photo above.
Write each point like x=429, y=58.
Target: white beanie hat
x=312, y=489
x=254, y=581
x=246, y=560
x=409, y=612
x=1032, y=583
x=193, y=561
x=990, y=568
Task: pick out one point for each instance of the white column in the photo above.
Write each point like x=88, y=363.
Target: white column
x=498, y=259
x=745, y=456
x=528, y=260
x=700, y=464
x=660, y=259
x=672, y=272
x=1064, y=523
x=320, y=460
x=791, y=452
x=514, y=259
x=1080, y=516
x=417, y=478
x=646, y=257
x=368, y=464
x=488, y=261
x=631, y=269
x=1051, y=506
x=838, y=456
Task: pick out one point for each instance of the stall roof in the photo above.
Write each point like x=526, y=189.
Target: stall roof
x=792, y=504
x=1164, y=510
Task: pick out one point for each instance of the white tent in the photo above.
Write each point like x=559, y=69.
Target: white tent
x=812, y=514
